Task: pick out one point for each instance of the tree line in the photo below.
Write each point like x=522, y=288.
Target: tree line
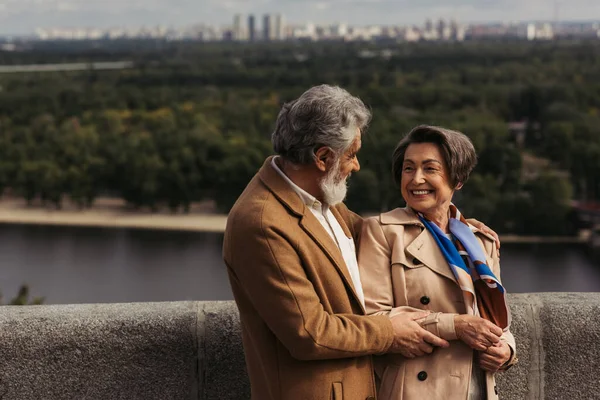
x=192, y=121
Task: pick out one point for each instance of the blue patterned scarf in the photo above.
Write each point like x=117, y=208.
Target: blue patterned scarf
x=482, y=291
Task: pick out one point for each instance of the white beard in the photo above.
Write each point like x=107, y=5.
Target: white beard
x=334, y=189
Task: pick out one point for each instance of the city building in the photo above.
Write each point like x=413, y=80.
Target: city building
x=252, y=28
x=412, y=34
x=280, y=28
x=275, y=28
x=268, y=27
x=540, y=32
x=240, y=30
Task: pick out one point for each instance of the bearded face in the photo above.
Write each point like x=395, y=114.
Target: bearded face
x=334, y=186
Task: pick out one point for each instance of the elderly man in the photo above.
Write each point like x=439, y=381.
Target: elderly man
x=289, y=249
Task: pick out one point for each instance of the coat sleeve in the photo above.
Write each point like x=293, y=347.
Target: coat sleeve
x=264, y=262
x=374, y=260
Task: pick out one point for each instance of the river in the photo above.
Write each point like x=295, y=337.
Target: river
x=94, y=265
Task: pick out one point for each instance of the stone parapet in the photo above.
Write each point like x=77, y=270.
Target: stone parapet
x=193, y=350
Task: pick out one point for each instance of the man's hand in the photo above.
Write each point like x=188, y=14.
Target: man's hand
x=477, y=333
x=495, y=357
x=485, y=229
x=410, y=339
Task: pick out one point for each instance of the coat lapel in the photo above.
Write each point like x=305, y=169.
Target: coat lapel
x=308, y=222
x=346, y=272
x=315, y=230
x=425, y=249
x=341, y=221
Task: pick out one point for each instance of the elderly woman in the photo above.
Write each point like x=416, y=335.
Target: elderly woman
x=426, y=256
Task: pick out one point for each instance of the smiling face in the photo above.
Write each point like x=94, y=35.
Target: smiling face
x=425, y=183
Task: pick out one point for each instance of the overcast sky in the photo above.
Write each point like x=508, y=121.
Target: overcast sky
x=23, y=16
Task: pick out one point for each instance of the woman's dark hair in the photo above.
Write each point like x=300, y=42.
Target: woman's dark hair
x=456, y=148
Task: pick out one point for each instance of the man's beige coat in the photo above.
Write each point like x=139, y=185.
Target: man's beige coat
x=402, y=268
x=304, y=331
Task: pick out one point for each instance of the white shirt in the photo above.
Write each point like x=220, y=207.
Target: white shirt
x=332, y=227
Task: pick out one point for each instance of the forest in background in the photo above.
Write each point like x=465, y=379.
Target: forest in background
x=192, y=121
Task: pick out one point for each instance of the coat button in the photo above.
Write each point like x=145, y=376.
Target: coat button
x=416, y=262
x=425, y=300
x=422, y=375
x=496, y=389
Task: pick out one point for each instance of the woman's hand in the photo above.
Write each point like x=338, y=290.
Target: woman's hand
x=485, y=229
x=495, y=356
x=410, y=339
x=477, y=333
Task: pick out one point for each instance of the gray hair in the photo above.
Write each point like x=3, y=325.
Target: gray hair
x=456, y=148
x=323, y=116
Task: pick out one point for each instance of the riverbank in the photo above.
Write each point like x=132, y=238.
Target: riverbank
x=113, y=213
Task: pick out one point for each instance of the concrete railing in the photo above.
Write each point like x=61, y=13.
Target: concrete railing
x=193, y=350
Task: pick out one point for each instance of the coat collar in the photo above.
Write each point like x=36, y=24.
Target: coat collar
x=406, y=216
x=308, y=222
x=281, y=189
x=423, y=248
x=400, y=216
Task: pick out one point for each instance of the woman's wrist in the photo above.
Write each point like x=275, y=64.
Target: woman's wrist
x=511, y=358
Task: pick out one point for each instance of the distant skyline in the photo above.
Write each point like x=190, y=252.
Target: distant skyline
x=24, y=16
